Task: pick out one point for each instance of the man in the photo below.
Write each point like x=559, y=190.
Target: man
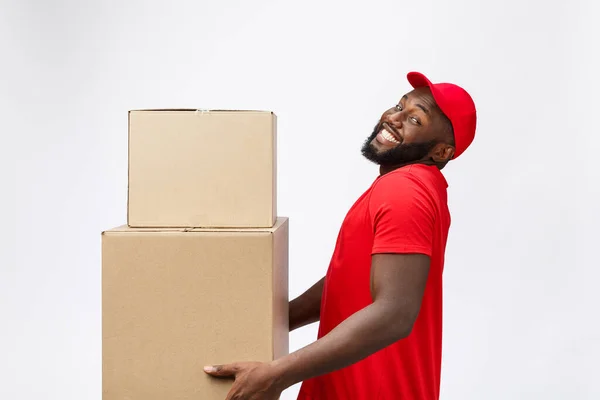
x=380, y=304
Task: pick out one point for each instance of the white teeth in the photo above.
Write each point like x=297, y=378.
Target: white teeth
x=388, y=136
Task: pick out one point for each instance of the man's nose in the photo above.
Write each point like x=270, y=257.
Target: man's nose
x=395, y=119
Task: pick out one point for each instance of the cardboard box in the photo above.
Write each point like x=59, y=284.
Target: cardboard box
x=191, y=168
x=175, y=300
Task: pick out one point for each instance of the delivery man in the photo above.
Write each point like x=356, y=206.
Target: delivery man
x=380, y=303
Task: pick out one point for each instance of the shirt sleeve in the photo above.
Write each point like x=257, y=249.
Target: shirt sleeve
x=402, y=215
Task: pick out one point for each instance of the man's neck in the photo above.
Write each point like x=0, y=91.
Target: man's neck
x=389, y=168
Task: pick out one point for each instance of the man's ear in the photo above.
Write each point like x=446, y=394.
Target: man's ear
x=442, y=152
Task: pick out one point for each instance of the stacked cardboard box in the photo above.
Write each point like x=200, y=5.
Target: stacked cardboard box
x=199, y=275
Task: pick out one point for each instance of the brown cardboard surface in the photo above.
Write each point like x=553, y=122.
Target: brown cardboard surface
x=176, y=300
x=197, y=168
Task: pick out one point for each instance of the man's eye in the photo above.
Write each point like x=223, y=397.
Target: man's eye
x=415, y=120
x=398, y=107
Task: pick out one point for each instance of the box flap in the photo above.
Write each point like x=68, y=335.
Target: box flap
x=126, y=229
x=198, y=110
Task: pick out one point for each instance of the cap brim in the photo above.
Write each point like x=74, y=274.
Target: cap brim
x=417, y=80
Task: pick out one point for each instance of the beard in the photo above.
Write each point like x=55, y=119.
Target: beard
x=401, y=154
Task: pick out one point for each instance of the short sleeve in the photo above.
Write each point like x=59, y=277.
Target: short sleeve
x=402, y=215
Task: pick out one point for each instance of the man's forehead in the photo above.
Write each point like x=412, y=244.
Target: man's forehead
x=420, y=93
x=423, y=98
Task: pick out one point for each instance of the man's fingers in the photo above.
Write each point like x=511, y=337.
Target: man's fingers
x=223, y=371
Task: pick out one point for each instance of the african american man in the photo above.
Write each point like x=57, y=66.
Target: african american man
x=380, y=303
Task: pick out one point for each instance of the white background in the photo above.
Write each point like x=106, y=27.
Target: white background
x=521, y=317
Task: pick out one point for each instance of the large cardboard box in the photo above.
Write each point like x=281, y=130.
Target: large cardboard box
x=192, y=168
x=175, y=300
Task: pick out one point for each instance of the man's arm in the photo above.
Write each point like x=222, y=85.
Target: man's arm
x=306, y=308
x=397, y=286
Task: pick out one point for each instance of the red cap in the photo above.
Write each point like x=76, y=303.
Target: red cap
x=456, y=104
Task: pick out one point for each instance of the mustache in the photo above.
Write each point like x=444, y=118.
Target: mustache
x=383, y=124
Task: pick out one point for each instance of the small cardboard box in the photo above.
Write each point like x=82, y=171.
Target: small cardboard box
x=175, y=300
x=193, y=168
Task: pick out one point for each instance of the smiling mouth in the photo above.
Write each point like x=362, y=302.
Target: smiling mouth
x=388, y=136
x=391, y=132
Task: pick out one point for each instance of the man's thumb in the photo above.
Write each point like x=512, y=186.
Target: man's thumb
x=221, y=370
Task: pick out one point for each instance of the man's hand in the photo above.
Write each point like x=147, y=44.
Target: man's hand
x=253, y=380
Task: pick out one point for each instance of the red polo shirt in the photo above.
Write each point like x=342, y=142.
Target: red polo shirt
x=404, y=211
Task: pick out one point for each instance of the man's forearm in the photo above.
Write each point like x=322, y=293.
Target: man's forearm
x=359, y=336
x=306, y=308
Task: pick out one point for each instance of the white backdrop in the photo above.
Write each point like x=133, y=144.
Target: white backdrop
x=521, y=317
